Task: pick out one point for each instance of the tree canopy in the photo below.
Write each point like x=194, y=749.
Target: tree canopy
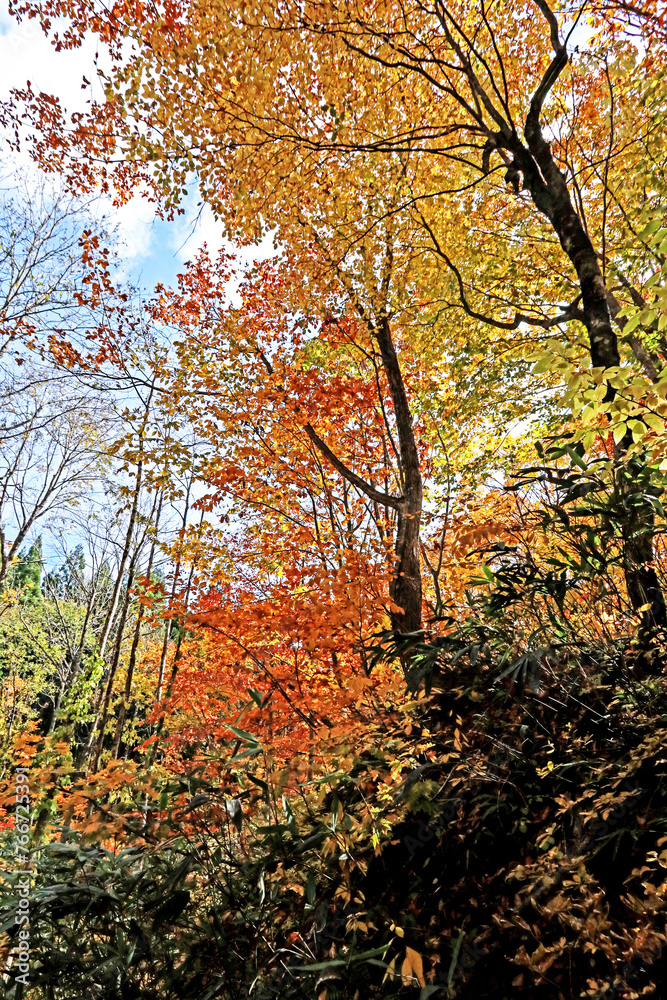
x=348, y=678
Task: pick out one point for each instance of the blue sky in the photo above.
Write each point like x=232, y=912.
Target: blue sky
x=152, y=250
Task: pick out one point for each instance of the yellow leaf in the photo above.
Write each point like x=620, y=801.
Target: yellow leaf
x=654, y=421
x=391, y=969
x=412, y=968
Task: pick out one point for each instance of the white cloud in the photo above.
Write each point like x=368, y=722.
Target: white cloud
x=136, y=231
x=151, y=250
x=194, y=229
x=26, y=54
x=199, y=226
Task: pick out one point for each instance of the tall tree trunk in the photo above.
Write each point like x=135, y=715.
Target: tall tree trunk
x=406, y=587
x=106, y=631
x=113, y=667
x=122, y=711
x=550, y=194
x=174, y=586
x=176, y=661
x=105, y=691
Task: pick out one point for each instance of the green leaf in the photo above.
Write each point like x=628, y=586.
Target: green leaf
x=455, y=957
x=575, y=457
x=258, y=781
x=320, y=966
x=243, y=735
x=638, y=429
x=256, y=696
x=632, y=323
x=172, y=908
x=335, y=775
x=650, y=228
x=542, y=365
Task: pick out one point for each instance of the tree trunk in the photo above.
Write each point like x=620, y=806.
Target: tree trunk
x=549, y=191
x=638, y=530
x=122, y=711
x=113, y=667
x=406, y=587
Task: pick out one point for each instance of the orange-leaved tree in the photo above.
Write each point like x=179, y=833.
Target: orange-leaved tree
x=528, y=158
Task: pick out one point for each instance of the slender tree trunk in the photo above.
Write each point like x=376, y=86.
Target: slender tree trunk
x=406, y=587
x=86, y=748
x=105, y=692
x=168, y=622
x=163, y=660
x=56, y=708
x=106, y=630
x=113, y=667
x=638, y=531
x=175, y=665
x=122, y=711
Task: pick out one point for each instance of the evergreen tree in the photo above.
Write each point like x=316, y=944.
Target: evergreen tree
x=27, y=573
x=68, y=581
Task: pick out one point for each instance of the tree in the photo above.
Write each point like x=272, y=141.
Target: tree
x=328, y=450
x=50, y=459
x=288, y=336
x=77, y=602
x=43, y=288
x=27, y=573
x=69, y=580
x=281, y=112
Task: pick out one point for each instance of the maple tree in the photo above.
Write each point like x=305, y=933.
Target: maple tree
x=295, y=119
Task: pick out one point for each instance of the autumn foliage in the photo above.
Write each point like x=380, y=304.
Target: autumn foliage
x=352, y=685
